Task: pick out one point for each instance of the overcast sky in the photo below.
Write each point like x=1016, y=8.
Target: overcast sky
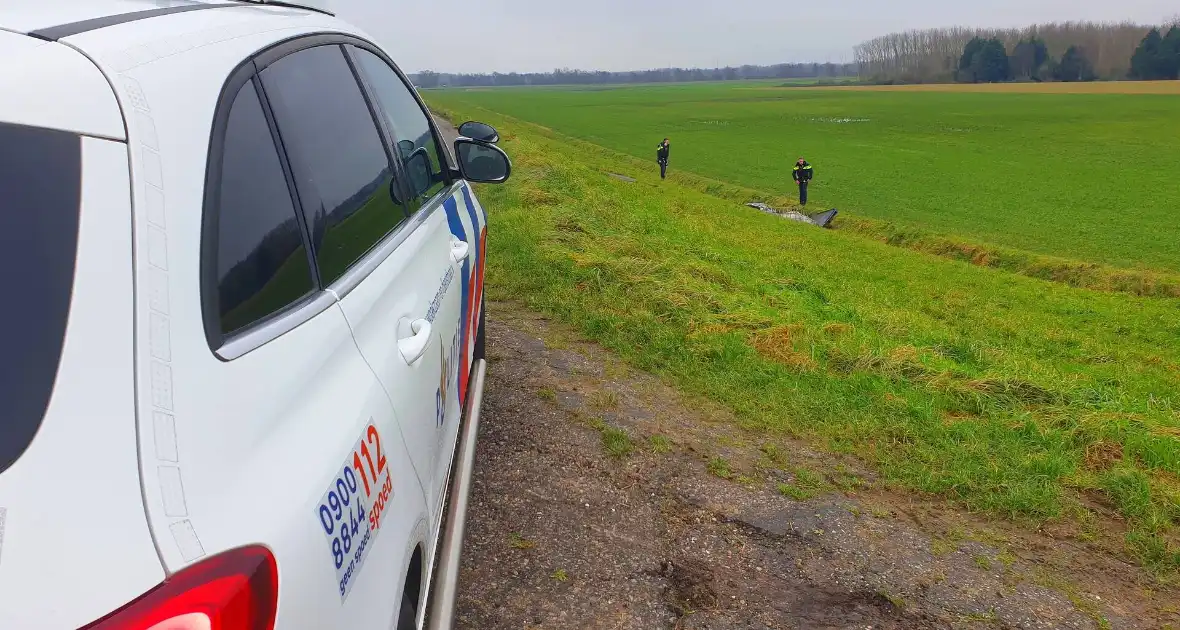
x=540, y=35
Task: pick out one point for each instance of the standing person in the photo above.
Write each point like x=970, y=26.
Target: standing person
x=662, y=151
x=802, y=174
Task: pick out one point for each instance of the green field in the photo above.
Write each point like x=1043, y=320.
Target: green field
x=1088, y=177
x=1027, y=399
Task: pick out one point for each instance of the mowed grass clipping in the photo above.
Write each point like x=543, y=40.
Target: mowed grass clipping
x=1089, y=177
x=1007, y=394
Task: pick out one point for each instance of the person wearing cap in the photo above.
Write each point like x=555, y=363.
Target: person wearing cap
x=662, y=150
x=802, y=174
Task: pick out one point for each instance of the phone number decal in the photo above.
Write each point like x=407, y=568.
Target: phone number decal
x=353, y=508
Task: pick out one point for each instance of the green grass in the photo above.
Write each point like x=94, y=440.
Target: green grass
x=1005, y=394
x=516, y=541
x=807, y=484
x=617, y=442
x=1088, y=177
x=659, y=444
x=719, y=467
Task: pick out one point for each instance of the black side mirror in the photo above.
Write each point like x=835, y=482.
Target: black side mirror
x=479, y=131
x=481, y=162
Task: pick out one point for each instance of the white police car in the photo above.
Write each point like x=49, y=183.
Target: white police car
x=243, y=323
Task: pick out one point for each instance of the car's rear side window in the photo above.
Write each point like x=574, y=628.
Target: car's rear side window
x=262, y=264
x=40, y=196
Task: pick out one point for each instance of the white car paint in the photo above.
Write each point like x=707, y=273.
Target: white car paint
x=44, y=81
x=73, y=499
x=155, y=454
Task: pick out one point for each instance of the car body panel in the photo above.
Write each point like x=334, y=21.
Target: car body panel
x=43, y=82
x=467, y=222
x=26, y=17
x=295, y=407
x=202, y=454
x=417, y=281
x=73, y=500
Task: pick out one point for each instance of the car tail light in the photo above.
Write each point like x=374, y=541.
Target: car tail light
x=236, y=590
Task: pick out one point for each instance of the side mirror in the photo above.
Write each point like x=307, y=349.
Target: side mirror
x=481, y=162
x=479, y=131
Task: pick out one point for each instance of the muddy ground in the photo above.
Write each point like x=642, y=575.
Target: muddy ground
x=605, y=499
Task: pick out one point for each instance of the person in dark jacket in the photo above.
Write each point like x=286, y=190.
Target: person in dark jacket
x=802, y=174
x=662, y=151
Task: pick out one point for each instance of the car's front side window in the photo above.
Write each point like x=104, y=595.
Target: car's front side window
x=342, y=171
x=422, y=159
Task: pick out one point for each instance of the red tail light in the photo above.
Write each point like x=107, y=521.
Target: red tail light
x=236, y=590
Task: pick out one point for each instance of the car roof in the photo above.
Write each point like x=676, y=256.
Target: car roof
x=67, y=52
x=43, y=82
x=35, y=18
x=27, y=17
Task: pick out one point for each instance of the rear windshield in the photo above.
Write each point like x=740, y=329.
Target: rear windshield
x=40, y=189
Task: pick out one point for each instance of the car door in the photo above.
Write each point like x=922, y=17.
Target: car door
x=390, y=269
x=405, y=311
x=259, y=421
x=448, y=213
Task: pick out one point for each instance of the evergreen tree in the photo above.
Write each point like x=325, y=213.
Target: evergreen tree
x=1028, y=57
x=984, y=61
x=1145, y=63
x=1170, y=54
x=969, y=52
x=1075, y=66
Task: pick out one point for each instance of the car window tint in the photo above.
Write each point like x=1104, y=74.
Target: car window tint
x=262, y=264
x=417, y=149
x=41, y=182
x=341, y=168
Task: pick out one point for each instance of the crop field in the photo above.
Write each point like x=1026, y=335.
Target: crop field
x=1089, y=177
x=1023, y=398
x=1092, y=87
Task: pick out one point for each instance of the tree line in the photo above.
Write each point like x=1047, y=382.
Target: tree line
x=988, y=61
x=431, y=79
x=1070, y=51
x=1158, y=56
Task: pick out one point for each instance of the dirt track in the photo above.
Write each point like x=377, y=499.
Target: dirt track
x=563, y=534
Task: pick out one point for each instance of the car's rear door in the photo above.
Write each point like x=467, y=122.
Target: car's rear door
x=260, y=422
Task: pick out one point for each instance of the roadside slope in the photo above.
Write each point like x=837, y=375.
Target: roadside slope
x=594, y=508
x=1028, y=400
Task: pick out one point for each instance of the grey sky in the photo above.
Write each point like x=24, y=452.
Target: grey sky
x=540, y=35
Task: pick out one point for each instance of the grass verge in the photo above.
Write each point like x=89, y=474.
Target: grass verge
x=1006, y=394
